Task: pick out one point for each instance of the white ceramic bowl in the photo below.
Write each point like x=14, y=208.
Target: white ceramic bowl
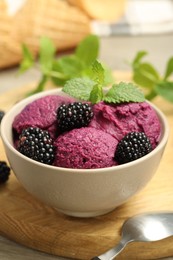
x=77, y=192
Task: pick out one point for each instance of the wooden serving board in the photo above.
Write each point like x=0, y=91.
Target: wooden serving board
x=27, y=221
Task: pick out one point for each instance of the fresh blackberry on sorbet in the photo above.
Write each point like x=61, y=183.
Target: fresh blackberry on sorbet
x=36, y=144
x=74, y=115
x=4, y=172
x=133, y=146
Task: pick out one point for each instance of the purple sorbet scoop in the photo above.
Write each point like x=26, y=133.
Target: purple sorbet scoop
x=85, y=148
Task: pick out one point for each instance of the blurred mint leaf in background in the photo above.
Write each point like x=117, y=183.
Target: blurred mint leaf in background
x=28, y=59
x=46, y=54
x=169, y=69
x=40, y=86
x=145, y=75
x=69, y=67
x=165, y=89
x=88, y=50
x=138, y=58
x=76, y=65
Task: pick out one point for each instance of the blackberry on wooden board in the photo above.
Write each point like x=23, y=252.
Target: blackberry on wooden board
x=2, y=113
x=4, y=172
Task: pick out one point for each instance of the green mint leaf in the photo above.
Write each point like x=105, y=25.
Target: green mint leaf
x=88, y=49
x=169, y=68
x=145, y=75
x=46, y=54
x=138, y=57
x=124, y=92
x=98, y=73
x=165, y=89
x=28, y=59
x=96, y=94
x=79, y=88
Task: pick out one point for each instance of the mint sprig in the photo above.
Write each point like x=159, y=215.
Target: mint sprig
x=93, y=90
x=89, y=89
x=60, y=70
x=147, y=76
x=83, y=64
x=85, y=89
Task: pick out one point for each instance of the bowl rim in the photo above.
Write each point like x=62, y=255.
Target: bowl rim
x=27, y=100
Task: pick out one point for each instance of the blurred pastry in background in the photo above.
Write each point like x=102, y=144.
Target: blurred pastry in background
x=109, y=10
x=66, y=23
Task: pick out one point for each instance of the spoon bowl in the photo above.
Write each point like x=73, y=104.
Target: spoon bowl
x=147, y=227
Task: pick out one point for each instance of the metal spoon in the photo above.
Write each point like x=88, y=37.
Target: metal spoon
x=143, y=227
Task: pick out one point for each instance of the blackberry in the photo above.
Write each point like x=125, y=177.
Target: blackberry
x=133, y=146
x=74, y=115
x=2, y=113
x=36, y=144
x=4, y=172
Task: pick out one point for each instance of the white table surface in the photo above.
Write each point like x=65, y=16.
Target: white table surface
x=116, y=52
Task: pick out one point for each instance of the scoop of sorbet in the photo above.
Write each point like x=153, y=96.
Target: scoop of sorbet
x=41, y=113
x=119, y=120
x=85, y=148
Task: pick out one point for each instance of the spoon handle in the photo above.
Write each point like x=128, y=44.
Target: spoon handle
x=111, y=253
